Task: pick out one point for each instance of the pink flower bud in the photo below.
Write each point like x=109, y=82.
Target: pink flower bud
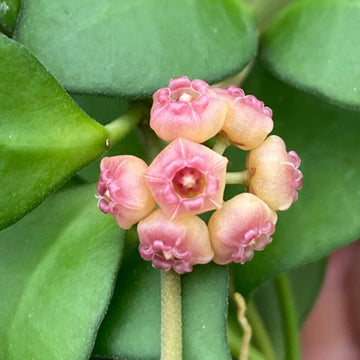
x=187, y=178
x=248, y=122
x=122, y=190
x=274, y=174
x=188, y=109
x=244, y=224
x=177, y=244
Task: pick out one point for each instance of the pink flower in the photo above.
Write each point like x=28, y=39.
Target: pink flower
x=188, y=109
x=122, y=190
x=274, y=174
x=177, y=244
x=248, y=122
x=187, y=178
x=244, y=224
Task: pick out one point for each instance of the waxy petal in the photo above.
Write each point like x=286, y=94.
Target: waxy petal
x=122, y=190
x=244, y=224
x=248, y=122
x=274, y=173
x=187, y=178
x=177, y=244
x=188, y=109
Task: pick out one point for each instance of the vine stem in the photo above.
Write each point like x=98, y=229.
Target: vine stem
x=289, y=317
x=171, y=317
x=120, y=127
x=221, y=144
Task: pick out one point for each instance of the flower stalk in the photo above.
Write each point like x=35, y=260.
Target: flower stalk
x=120, y=127
x=221, y=144
x=240, y=177
x=171, y=316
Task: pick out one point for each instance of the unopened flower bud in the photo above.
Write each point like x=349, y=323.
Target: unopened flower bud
x=187, y=109
x=177, y=244
x=248, y=122
x=244, y=224
x=273, y=173
x=187, y=178
x=122, y=190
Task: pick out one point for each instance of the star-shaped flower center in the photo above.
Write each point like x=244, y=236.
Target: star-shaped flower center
x=189, y=182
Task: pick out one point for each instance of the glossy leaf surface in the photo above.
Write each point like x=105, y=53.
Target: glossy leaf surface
x=131, y=48
x=315, y=45
x=325, y=217
x=105, y=109
x=44, y=136
x=57, y=271
x=131, y=328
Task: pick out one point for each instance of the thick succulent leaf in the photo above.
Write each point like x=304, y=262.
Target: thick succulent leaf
x=326, y=215
x=131, y=48
x=131, y=328
x=205, y=293
x=315, y=45
x=306, y=282
x=44, y=136
x=265, y=10
x=57, y=271
x=105, y=109
x=131, y=145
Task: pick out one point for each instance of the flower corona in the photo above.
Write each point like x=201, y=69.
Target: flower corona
x=187, y=178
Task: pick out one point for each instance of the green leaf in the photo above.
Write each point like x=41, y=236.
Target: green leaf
x=265, y=10
x=314, y=45
x=9, y=10
x=105, y=109
x=306, y=282
x=205, y=293
x=131, y=328
x=130, y=145
x=326, y=215
x=57, y=271
x=44, y=136
x=131, y=48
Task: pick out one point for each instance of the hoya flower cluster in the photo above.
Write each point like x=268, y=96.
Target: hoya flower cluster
x=188, y=178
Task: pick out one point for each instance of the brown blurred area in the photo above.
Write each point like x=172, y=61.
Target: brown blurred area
x=332, y=330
